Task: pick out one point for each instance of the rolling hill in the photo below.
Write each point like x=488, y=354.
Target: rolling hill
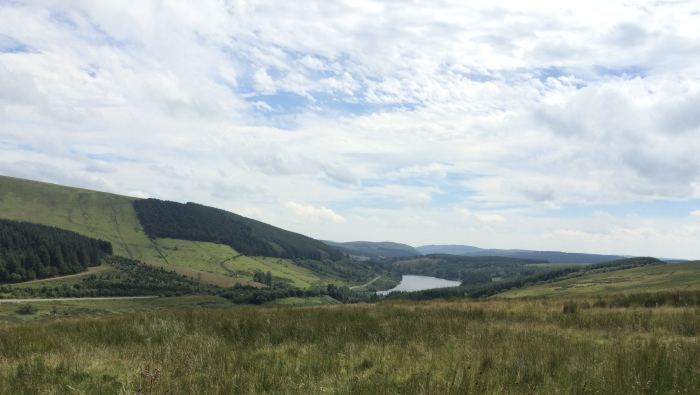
x=658, y=278
x=550, y=256
x=370, y=249
x=113, y=218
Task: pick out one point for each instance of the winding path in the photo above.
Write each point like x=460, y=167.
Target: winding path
x=364, y=285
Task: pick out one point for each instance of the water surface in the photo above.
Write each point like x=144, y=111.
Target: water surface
x=419, y=283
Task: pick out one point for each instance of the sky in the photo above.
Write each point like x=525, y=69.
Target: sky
x=569, y=126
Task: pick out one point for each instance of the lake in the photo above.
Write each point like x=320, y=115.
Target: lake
x=419, y=283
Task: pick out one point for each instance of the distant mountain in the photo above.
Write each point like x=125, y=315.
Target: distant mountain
x=452, y=249
x=370, y=249
x=551, y=256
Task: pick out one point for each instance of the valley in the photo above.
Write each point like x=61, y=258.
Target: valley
x=303, y=318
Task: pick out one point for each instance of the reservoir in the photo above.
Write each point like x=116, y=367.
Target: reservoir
x=419, y=283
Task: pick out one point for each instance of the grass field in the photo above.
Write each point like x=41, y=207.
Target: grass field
x=48, y=310
x=397, y=347
x=205, y=277
x=305, y=302
x=221, y=259
x=197, y=255
x=644, y=279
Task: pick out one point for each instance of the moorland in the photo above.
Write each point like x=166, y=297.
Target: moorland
x=165, y=297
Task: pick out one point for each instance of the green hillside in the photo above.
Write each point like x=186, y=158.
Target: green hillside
x=195, y=222
x=656, y=278
x=113, y=218
x=94, y=214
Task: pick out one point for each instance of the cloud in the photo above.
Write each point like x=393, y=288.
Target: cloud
x=480, y=216
x=138, y=194
x=575, y=234
x=519, y=111
x=633, y=234
x=695, y=214
x=312, y=214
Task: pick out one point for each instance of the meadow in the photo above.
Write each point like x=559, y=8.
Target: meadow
x=461, y=346
x=662, y=278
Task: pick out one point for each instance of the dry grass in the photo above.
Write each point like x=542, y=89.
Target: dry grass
x=395, y=347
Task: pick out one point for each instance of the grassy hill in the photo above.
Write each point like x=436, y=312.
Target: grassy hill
x=113, y=218
x=657, y=278
x=195, y=222
x=95, y=214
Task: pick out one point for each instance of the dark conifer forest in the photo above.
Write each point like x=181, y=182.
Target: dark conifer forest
x=29, y=251
x=195, y=222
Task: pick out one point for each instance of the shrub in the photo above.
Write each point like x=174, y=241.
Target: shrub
x=570, y=307
x=26, y=309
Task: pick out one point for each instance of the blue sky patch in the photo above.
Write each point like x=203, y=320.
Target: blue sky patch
x=12, y=45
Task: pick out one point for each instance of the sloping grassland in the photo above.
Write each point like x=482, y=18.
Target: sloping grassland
x=95, y=214
x=656, y=278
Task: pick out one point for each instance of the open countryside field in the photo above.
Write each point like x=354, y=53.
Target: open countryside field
x=438, y=347
x=224, y=260
x=197, y=255
x=203, y=277
x=49, y=310
x=658, y=278
x=299, y=276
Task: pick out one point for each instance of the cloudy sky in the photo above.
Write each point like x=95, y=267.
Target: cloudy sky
x=569, y=125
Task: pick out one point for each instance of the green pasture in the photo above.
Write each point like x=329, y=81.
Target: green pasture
x=299, y=276
x=642, y=279
x=63, y=310
x=305, y=302
x=197, y=255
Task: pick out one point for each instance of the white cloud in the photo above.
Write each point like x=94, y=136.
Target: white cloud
x=575, y=234
x=312, y=214
x=138, y=194
x=633, y=234
x=521, y=111
x=482, y=217
x=695, y=214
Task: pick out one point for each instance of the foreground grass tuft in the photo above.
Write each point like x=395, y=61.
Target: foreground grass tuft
x=394, y=347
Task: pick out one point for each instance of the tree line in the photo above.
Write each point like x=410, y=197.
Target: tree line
x=191, y=221
x=30, y=251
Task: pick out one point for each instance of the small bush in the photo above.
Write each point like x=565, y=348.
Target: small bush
x=26, y=309
x=570, y=307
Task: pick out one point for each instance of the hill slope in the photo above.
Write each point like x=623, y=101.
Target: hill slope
x=550, y=256
x=195, y=222
x=373, y=249
x=452, y=249
x=113, y=218
x=90, y=213
x=642, y=279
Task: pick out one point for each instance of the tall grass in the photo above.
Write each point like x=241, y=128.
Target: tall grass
x=394, y=347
